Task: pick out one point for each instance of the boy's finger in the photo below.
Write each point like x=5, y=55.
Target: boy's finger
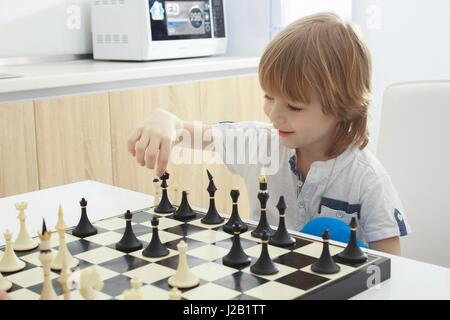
x=163, y=157
x=141, y=147
x=152, y=152
x=132, y=141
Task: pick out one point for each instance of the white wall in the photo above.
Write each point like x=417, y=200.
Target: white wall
x=253, y=23
x=44, y=27
x=408, y=40
x=248, y=26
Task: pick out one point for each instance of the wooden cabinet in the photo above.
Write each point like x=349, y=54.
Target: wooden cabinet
x=18, y=160
x=73, y=140
x=68, y=139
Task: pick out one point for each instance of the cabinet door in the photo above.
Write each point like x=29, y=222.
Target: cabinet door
x=18, y=162
x=73, y=140
x=128, y=110
x=233, y=99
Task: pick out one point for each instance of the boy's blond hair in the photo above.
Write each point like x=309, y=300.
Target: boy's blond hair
x=322, y=54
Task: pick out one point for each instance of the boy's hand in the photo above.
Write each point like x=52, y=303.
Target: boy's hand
x=4, y=296
x=151, y=143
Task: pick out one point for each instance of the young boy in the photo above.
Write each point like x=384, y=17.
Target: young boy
x=316, y=76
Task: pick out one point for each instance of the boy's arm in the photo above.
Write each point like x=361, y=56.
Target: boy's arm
x=390, y=245
x=382, y=220
x=192, y=133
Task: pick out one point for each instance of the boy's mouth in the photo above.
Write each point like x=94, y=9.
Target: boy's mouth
x=284, y=133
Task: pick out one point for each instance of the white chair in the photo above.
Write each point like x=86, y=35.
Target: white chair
x=414, y=147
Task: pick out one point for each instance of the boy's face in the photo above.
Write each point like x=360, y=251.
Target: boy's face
x=301, y=125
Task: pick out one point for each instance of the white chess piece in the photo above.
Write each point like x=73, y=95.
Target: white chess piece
x=176, y=195
x=10, y=262
x=46, y=257
x=61, y=227
x=23, y=242
x=183, y=278
x=5, y=285
x=90, y=283
x=134, y=293
x=156, y=185
x=175, y=294
x=65, y=275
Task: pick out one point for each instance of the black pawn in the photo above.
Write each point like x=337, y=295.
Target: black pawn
x=212, y=216
x=352, y=253
x=326, y=264
x=164, y=205
x=129, y=242
x=282, y=238
x=234, y=218
x=155, y=249
x=184, y=212
x=263, y=224
x=84, y=227
x=236, y=258
x=264, y=264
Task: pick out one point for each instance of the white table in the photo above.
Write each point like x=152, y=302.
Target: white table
x=410, y=279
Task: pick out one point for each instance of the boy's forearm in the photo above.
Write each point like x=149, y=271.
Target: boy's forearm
x=391, y=245
x=195, y=135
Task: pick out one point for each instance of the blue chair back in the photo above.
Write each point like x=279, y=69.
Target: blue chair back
x=339, y=230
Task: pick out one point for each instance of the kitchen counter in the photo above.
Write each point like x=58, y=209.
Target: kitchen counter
x=54, y=79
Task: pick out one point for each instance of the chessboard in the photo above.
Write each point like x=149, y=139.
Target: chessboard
x=207, y=244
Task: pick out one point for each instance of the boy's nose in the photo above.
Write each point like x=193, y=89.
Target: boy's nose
x=277, y=114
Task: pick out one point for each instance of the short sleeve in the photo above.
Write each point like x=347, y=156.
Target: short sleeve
x=244, y=146
x=382, y=215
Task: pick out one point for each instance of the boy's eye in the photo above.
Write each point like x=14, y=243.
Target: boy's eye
x=294, y=108
x=267, y=97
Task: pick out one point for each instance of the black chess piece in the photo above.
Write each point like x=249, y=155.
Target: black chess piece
x=44, y=227
x=326, y=264
x=184, y=211
x=236, y=257
x=84, y=227
x=352, y=252
x=263, y=197
x=234, y=218
x=264, y=265
x=212, y=216
x=129, y=242
x=155, y=248
x=164, y=206
x=282, y=238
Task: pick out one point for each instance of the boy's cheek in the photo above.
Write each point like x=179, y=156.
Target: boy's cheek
x=267, y=109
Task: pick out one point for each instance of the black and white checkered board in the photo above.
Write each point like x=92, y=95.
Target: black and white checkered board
x=206, y=247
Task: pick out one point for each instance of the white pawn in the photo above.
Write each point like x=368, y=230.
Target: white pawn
x=23, y=241
x=5, y=285
x=10, y=262
x=46, y=257
x=134, y=293
x=175, y=294
x=183, y=278
x=63, y=252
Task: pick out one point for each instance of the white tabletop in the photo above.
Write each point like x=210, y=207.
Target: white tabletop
x=410, y=279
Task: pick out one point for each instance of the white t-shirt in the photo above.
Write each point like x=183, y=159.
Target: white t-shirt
x=355, y=182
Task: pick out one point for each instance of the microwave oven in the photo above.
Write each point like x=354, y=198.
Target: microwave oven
x=142, y=30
